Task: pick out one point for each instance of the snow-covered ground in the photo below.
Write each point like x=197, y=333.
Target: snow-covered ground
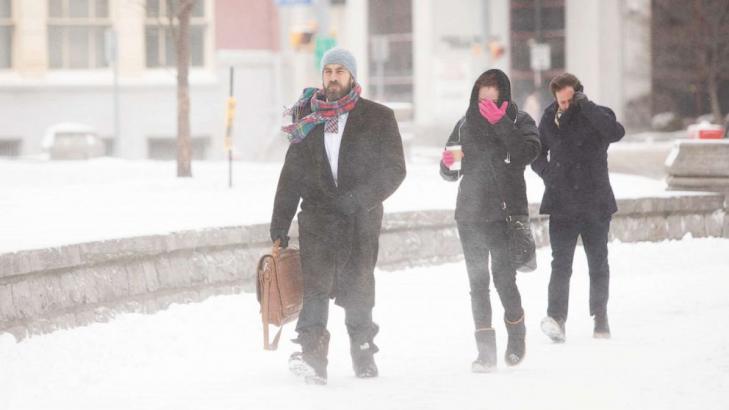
x=47, y=204
x=669, y=350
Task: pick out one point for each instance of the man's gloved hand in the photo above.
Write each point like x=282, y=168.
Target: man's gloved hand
x=280, y=234
x=346, y=203
x=580, y=99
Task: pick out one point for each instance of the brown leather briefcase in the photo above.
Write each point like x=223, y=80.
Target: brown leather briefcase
x=279, y=289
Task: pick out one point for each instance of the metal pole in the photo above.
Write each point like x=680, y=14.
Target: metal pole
x=112, y=58
x=538, y=30
x=229, y=115
x=117, y=137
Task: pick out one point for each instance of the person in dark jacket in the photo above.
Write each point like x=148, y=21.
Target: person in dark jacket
x=345, y=159
x=498, y=141
x=575, y=134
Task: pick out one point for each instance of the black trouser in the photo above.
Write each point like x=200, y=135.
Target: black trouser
x=563, y=233
x=479, y=239
x=319, y=263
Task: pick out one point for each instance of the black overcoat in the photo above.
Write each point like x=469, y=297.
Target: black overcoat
x=339, y=252
x=573, y=160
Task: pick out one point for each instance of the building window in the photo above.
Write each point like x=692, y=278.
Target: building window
x=76, y=32
x=391, y=50
x=541, y=21
x=159, y=33
x=6, y=33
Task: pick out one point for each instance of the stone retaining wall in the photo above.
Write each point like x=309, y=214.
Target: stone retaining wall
x=48, y=289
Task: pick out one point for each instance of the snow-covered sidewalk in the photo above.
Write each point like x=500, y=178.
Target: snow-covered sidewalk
x=669, y=348
x=45, y=204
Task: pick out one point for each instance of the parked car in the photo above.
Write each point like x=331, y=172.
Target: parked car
x=69, y=141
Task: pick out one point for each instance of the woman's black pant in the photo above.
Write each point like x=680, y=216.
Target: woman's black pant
x=479, y=241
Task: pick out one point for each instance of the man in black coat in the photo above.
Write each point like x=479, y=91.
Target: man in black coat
x=345, y=159
x=575, y=134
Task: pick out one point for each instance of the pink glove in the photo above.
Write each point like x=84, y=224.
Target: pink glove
x=491, y=112
x=447, y=158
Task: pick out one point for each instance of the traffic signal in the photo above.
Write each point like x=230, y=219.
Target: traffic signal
x=496, y=48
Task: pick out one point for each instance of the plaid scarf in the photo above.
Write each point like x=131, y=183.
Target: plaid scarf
x=321, y=112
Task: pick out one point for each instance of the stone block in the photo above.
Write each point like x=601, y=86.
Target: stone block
x=115, y=249
x=699, y=159
x=24, y=300
x=110, y=281
x=676, y=226
x=137, y=278
x=715, y=223
x=79, y=287
x=696, y=225
x=259, y=234
x=165, y=272
x=8, y=265
x=7, y=307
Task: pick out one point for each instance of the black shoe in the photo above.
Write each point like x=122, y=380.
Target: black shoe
x=516, y=345
x=363, y=348
x=602, y=328
x=554, y=329
x=311, y=362
x=486, y=345
x=364, y=366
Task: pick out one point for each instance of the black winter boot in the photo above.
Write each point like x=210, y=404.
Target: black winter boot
x=515, y=347
x=486, y=344
x=311, y=362
x=602, y=328
x=363, y=348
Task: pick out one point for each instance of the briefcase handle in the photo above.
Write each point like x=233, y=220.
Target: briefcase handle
x=275, y=252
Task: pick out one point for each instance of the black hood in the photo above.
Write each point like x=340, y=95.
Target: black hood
x=504, y=93
x=504, y=86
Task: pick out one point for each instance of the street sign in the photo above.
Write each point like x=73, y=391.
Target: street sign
x=540, y=56
x=322, y=45
x=291, y=2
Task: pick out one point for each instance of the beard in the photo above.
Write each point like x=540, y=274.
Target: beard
x=334, y=91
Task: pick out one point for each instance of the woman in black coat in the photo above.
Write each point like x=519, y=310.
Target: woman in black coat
x=498, y=141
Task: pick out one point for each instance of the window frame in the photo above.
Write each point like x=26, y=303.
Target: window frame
x=91, y=23
x=9, y=23
x=162, y=23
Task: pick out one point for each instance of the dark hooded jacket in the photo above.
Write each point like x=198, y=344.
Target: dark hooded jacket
x=495, y=157
x=573, y=160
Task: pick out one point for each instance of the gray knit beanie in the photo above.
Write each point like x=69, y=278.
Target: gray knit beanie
x=340, y=56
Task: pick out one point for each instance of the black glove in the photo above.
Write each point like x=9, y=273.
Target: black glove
x=580, y=99
x=346, y=203
x=280, y=234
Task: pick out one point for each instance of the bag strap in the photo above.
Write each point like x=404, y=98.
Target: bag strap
x=265, y=300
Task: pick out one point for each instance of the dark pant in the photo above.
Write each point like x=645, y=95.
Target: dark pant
x=563, y=233
x=315, y=315
x=319, y=263
x=479, y=239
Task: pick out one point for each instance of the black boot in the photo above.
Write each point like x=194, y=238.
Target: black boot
x=602, y=328
x=363, y=348
x=515, y=347
x=486, y=344
x=311, y=362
